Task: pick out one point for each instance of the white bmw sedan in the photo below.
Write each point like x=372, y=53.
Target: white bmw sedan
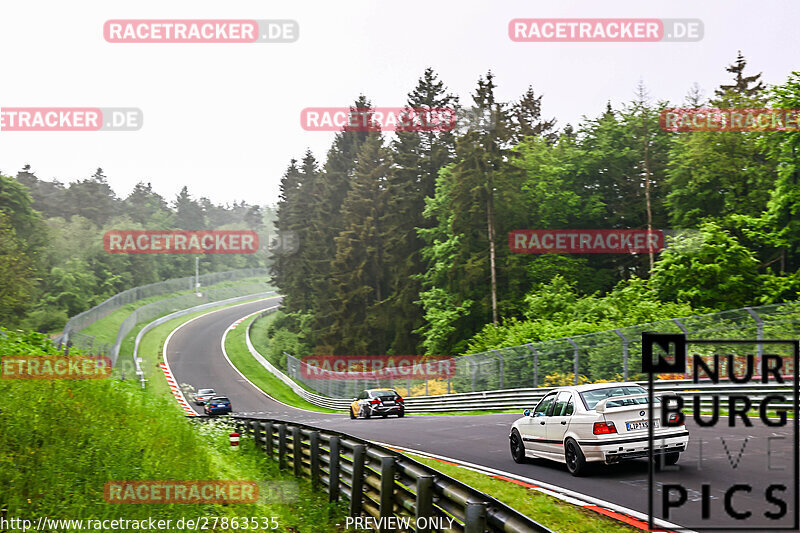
x=600, y=422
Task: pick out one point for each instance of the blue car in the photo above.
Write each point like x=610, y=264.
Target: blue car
x=218, y=405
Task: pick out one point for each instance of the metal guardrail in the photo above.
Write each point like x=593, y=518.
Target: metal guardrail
x=525, y=397
x=611, y=355
x=106, y=307
x=380, y=483
x=316, y=399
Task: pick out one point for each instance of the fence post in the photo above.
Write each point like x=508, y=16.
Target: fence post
x=388, y=466
x=575, y=359
x=297, y=456
x=314, y=449
x=680, y=325
x=269, y=445
x=500, y=363
x=759, y=336
x=333, y=469
x=281, y=446
x=357, y=486
x=256, y=425
x=424, y=507
x=535, y=365
x=624, y=354
x=475, y=519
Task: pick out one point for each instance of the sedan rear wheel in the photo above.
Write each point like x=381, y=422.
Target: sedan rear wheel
x=576, y=462
x=352, y=415
x=517, y=448
x=672, y=458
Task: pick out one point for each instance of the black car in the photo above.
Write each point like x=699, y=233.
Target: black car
x=218, y=405
x=378, y=402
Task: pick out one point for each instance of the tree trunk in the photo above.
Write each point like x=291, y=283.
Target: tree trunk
x=490, y=228
x=647, y=189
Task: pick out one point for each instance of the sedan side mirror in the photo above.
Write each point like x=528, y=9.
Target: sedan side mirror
x=526, y=412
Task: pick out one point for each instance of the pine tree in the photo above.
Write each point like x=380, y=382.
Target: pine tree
x=417, y=157
x=326, y=220
x=358, y=273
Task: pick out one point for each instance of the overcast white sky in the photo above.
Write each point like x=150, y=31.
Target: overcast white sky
x=224, y=118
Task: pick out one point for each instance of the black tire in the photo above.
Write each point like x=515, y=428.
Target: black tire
x=576, y=461
x=671, y=458
x=517, y=448
x=352, y=416
x=384, y=416
x=401, y=414
x=367, y=414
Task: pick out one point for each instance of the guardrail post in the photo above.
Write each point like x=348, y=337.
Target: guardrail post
x=256, y=425
x=475, y=519
x=314, y=449
x=424, y=507
x=297, y=456
x=535, y=364
x=269, y=446
x=575, y=359
x=282, y=446
x=388, y=467
x=333, y=470
x=624, y=354
x=759, y=336
x=359, y=453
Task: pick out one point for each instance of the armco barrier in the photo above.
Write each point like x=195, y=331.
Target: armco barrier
x=380, y=483
x=526, y=397
x=316, y=399
x=105, y=308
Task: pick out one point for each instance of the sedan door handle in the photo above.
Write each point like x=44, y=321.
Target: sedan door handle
x=542, y=422
x=563, y=422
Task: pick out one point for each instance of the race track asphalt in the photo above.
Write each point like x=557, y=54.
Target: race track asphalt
x=754, y=457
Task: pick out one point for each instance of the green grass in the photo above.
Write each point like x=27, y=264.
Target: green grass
x=62, y=440
x=547, y=510
x=236, y=347
x=105, y=329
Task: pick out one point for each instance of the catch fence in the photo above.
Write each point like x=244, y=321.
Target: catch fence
x=613, y=355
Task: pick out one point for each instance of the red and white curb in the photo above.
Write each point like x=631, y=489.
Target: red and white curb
x=176, y=391
x=617, y=512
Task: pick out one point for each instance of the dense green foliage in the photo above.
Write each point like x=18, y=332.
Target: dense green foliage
x=411, y=253
x=116, y=431
x=52, y=260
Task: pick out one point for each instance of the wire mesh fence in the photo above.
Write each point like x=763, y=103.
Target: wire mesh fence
x=89, y=343
x=613, y=355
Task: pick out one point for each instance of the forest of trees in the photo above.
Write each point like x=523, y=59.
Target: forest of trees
x=404, y=238
x=52, y=262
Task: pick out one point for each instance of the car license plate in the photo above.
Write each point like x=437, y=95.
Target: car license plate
x=639, y=424
x=390, y=402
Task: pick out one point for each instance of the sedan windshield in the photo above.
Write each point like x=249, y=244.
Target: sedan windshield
x=592, y=397
x=205, y=391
